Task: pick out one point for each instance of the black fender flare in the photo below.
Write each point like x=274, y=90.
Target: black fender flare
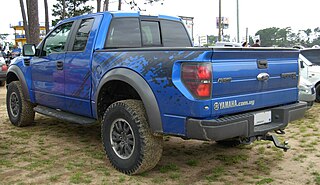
x=17, y=71
x=143, y=89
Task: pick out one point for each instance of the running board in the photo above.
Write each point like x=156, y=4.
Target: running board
x=64, y=115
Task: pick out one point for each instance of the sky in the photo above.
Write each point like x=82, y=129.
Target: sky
x=253, y=14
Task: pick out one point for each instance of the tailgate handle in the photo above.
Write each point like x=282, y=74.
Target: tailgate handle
x=263, y=77
x=262, y=64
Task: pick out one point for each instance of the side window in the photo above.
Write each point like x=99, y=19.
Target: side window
x=174, y=34
x=150, y=33
x=56, y=41
x=124, y=32
x=82, y=35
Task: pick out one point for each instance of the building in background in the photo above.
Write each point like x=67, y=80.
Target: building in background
x=20, y=35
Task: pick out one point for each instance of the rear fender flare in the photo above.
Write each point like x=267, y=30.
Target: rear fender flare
x=142, y=88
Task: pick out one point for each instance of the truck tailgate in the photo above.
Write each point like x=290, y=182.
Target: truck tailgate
x=249, y=79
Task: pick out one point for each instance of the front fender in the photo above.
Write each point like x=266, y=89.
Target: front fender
x=142, y=88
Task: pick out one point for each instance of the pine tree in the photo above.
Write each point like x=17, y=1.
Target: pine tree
x=73, y=8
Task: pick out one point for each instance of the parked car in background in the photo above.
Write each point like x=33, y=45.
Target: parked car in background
x=228, y=44
x=310, y=70
x=3, y=71
x=313, y=55
x=306, y=92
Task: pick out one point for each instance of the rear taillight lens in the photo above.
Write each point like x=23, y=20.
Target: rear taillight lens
x=197, y=79
x=4, y=67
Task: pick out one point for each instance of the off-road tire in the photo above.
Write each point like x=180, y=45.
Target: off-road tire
x=2, y=83
x=24, y=113
x=229, y=143
x=318, y=93
x=147, y=149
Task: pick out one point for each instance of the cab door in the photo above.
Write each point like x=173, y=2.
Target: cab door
x=48, y=75
x=77, y=66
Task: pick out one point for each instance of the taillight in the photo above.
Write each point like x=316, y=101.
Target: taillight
x=4, y=67
x=197, y=79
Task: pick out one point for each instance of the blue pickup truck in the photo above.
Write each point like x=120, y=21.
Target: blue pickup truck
x=140, y=77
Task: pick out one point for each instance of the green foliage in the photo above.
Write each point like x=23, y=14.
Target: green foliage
x=285, y=37
x=73, y=8
x=3, y=36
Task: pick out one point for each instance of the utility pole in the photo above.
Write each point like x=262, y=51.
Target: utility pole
x=219, y=35
x=238, y=37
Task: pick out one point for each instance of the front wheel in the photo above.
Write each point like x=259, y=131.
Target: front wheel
x=127, y=139
x=318, y=93
x=20, y=110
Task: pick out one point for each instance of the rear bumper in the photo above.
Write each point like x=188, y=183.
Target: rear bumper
x=242, y=125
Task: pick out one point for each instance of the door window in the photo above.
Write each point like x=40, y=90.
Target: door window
x=124, y=33
x=82, y=35
x=56, y=41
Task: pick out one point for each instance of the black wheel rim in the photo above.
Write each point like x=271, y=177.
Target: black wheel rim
x=14, y=104
x=122, y=138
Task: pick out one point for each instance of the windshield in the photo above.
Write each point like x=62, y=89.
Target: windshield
x=312, y=55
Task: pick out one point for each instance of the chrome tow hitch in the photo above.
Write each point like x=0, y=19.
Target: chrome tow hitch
x=276, y=142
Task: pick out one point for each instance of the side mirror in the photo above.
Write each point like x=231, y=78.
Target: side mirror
x=29, y=50
x=301, y=64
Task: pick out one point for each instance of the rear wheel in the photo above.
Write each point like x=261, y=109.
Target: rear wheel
x=20, y=111
x=318, y=93
x=127, y=139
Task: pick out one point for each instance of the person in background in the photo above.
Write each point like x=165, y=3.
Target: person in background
x=256, y=44
x=16, y=51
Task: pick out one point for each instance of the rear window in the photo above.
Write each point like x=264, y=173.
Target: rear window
x=150, y=33
x=124, y=32
x=312, y=55
x=174, y=34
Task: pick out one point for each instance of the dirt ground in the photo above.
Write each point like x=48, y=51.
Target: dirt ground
x=56, y=152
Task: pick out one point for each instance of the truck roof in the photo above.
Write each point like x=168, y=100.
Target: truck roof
x=123, y=14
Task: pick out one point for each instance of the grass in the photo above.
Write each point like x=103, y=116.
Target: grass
x=265, y=181
x=262, y=165
x=79, y=178
x=316, y=178
x=54, y=178
x=216, y=173
x=232, y=159
x=169, y=167
x=192, y=162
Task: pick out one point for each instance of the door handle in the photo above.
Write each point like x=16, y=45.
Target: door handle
x=59, y=65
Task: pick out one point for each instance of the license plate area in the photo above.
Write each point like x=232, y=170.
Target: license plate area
x=262, y=117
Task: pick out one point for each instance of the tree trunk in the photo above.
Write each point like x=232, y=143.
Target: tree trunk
x=106, y=5
x=63, y=9
x=98, y=5
x=25, y=23
x=33, y=17
x=119, y=5
x=46, y=16
x=74, y=8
